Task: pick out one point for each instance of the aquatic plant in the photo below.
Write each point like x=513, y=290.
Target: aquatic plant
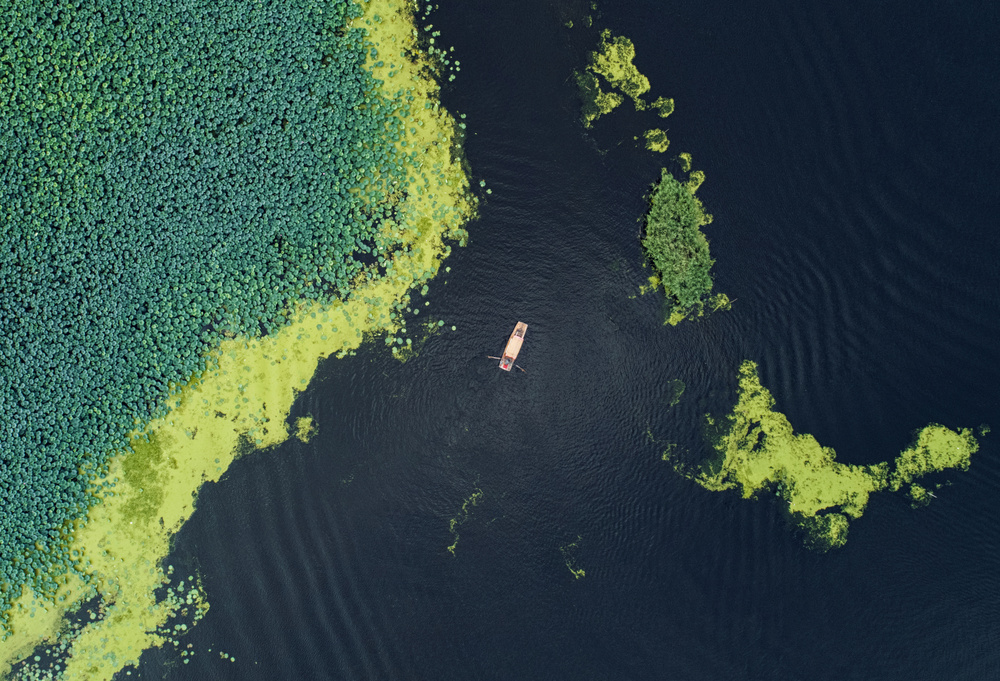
x=656, y=140
x=677, y=248
x=609, y=77
x=757, y=451
x=613, y=62
x=171, y=174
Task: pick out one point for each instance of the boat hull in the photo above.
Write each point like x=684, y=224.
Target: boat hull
x=513, y=346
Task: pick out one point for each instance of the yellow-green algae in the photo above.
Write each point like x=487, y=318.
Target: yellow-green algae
x=757, y=451
x=463, y=516
x=613, y=61
x=663, y=106
x=569, y=557
x=596, y=102
x=656, y=140
x=242, y=401
x=685, y=159
x=305, y=428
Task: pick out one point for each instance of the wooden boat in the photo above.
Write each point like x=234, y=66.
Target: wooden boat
x=513, y=346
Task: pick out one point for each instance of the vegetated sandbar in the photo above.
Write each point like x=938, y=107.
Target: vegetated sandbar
x=328, y=274
x=757, y=451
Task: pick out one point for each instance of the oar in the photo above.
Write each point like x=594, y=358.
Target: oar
x=492, y=357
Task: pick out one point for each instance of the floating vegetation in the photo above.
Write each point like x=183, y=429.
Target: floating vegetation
x=675, y=388
x=463, y=517
x=569, y=557
x=673, y=240
x=305, y=428
x=596, y=102
x=609, y=78
x=678, y=249
x=203, y=201
x=758, y=451
x=656, y=140
x=612, y=60
x=663, y=106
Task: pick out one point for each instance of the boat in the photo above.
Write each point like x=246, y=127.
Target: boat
x=513, y=346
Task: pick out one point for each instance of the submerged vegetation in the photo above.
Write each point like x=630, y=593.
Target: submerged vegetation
x=757, y=451
x=678, y=249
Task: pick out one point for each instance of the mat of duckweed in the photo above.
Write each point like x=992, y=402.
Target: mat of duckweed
x=757, y=451
x=203, y=214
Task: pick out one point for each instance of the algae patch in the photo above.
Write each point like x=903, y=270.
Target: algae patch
x=757, y=451
x=596, y=102
x=613, y=60
x=305, y=428
x=463, y=516
x=610, y=77
x=656, y=140
x=569, y=557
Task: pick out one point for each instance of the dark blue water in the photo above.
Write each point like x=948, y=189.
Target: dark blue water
x=851, y=154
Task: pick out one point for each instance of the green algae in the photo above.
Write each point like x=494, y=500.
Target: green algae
x=656, y=140
x=463, y=516
x=685, y=160
x=610, y=77
x=758, y=452
x=569, y=557
x=663, y=106
x=936, y=448
x=305, y=428
x=596, y=102
x=613, y=60
x=675, y=389
x=696, y=178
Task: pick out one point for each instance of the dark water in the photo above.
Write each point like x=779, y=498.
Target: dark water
x=851, y=153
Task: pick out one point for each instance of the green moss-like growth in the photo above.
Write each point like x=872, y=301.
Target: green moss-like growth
x=677, y=248
x=613, y=61
x=757, y=451
x=656, y=140
x=569, y=557
x=174, y=173
x=596, y=102
x=663, y=106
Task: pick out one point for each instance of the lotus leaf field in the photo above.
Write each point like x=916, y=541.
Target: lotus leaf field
x=171, y=173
